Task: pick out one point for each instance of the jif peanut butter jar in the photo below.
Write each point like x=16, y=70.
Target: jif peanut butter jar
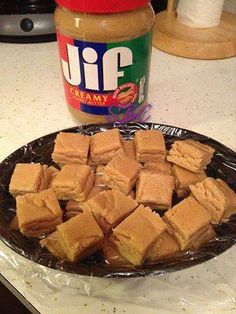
x=105, y=49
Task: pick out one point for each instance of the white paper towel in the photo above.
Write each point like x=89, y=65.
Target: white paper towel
x=200, y=13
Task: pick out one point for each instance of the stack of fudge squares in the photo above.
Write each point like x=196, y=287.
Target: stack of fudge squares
x=114, y=190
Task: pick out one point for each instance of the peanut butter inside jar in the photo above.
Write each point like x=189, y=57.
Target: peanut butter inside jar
x=105, y=60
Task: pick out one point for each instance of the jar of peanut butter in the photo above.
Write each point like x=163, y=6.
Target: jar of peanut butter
x=105, y=49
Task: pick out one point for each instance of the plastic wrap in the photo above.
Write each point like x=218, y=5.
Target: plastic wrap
x=210, y=283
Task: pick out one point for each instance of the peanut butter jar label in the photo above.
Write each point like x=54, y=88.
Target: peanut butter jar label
x=100, y=78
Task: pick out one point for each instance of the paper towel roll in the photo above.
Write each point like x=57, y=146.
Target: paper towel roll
x=200, y=13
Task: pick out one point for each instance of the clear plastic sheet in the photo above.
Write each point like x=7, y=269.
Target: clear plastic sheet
x=211, y=283
x=206, y=288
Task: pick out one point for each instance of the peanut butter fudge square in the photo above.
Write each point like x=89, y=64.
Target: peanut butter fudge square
x=71, y=148
x=187, y=221
x=27, y=178
x=31, y=178
x=231, y=199
x=38, y=213
x=52, y=244
x=166, y=246
x=208, y=235
x=49, y=174
x=97, y=188
x=191, y=155
x=80, y=236
x=105, y=145
x=74, y=207
x=216, y=196
x=129, y=148
x=158, y=167
x=121, y=173
x=113, y=257
x=110, y=208
x=73, y=182
x=150, y=145
x=184, y=178
x=135, y=235
x=155, y=190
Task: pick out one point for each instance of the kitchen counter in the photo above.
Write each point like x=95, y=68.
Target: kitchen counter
x=197, y=95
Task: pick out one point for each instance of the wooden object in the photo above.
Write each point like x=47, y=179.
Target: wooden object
x=178, y=39
x=170, y=6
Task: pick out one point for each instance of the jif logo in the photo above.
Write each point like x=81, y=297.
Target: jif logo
x=83, y=64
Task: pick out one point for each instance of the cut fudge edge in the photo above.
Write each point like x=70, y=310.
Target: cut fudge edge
x=88, y=251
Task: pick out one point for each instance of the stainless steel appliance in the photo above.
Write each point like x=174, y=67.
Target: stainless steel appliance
x=27, y=21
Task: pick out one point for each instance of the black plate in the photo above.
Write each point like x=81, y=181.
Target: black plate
x=222, y=166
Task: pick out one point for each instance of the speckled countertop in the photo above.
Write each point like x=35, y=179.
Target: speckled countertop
x=198, y=95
